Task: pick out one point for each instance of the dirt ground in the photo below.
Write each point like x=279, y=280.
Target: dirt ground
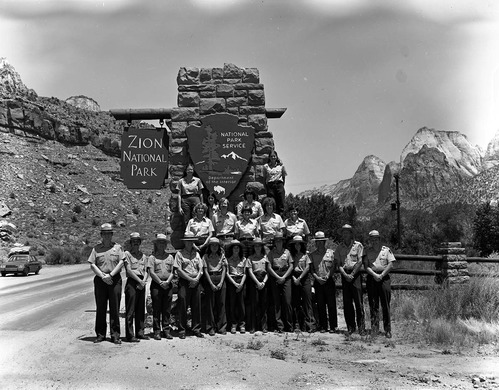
x=62, y=355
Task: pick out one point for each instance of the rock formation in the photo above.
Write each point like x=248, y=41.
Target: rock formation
x=83, y=102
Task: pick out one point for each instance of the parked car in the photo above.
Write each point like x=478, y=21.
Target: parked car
x=20, y=263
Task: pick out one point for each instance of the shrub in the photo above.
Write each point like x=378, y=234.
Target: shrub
x=135, y=210
x=61, y=255
x=12, y=195
x=149, y=200
x=255, y=344
x=77, y=209
x=74, y=218
x=95, y=222
x=279, y=354
x=318, y=342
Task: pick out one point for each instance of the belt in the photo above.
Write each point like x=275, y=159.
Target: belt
x=246, y=239
x=275, y=182
x=190, y=195
x=229, y=235
x=215, y=272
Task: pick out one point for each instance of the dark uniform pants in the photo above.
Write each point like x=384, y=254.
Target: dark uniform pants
x=105, y=293
x=352, y=294
x=214, y=308
x=281, y=295
x=188, y=203
x=376, y=292
x=236, y=313
x=189, y=296
x=275, y=189
x=257, y=307
x=325, y=295
x=301, y=299
x=135, y=303
x=161, y=307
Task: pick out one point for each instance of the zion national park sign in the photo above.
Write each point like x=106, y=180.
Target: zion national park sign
x=221, y=150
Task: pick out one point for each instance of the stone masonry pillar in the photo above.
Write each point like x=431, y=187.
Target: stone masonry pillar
x=454, y=266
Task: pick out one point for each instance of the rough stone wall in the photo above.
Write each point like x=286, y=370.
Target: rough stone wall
x=454, y=266
x=231, y=89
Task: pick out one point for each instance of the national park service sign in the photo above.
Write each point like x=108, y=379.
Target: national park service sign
x=221, y=150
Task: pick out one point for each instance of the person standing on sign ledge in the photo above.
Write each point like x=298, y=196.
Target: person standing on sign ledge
x=348, y=257
x=135, y=290
x=274, y=175
x=189, y=192
x=378, y=262
x=106, y=261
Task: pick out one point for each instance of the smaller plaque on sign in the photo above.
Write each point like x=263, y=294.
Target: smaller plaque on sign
x=144, y=157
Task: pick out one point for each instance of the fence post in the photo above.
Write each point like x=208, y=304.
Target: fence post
x=454, y=265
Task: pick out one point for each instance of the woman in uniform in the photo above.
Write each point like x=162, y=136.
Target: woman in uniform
x=280, y=269
x=301, y=288
x=161, y=271
x=246, y=230
x=189, y=192
x=270, y=223
x=201, y=227
x=135, y=289
x=189, y=267
x=236, y=276
x=250, y=200
x=106, y=261
x=215, y=268
x=274, y=175
x=257, y=288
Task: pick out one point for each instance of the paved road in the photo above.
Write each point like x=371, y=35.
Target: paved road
x=35, y=302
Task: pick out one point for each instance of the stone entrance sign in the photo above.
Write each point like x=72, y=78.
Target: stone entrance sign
x=221, y=150
x=144, y=157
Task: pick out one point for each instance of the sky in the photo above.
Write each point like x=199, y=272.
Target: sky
x=358, y=77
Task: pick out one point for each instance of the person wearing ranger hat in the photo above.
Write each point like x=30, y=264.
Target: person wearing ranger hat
x=322, y=270
x=189, y=267
x=215, y=269
x=135, y=289
x=106, y=261
x=160, y=269
x=348, y=258
x=280, y=269
x=257, y=271
x=378, y=262
x=236, y=276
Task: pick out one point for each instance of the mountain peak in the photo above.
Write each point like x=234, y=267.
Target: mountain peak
x=11, y=83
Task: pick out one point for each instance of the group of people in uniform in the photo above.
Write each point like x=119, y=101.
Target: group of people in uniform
x=263, y=284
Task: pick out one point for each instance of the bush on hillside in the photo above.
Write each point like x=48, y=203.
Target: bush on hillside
x=61, y=255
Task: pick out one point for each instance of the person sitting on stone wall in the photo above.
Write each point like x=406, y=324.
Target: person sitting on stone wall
x=250, y=200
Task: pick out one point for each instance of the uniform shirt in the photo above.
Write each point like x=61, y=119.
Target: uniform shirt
x=193, y=187
x=199, y=227
x=323, y=265
x=378, y=261
x=106, y=260
x=300, y=262
x=163, y=268
x=278, y=173
x=256, y=207
x=348, y=256
x=190, y=263
x=258, y=264
x=247, y=229
x=298, y=228
x=236, y=267
x=137, y=266
x=270, y=224
x=214, y=263
x=224, y=224
x=279, y=261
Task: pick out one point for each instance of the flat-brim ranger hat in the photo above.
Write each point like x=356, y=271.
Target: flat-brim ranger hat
x=345, y=227
x=135, y=236
x=214, y=240
x=278, y=236
x=320, y=236
x=257, y=241
x=373, y=233
x=160, y=237
x=189, y=236
x=234, y=243
x=106, y=228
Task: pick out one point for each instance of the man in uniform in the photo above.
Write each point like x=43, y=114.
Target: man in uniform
x=378, y=261
x=106, y=261
x=348, y=258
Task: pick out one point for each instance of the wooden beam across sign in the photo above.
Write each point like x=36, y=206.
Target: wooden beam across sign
x=130, y=114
